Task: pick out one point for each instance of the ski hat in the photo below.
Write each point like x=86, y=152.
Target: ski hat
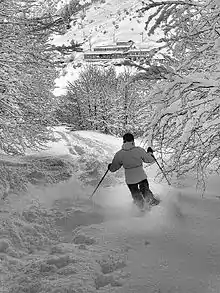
x=128, y=137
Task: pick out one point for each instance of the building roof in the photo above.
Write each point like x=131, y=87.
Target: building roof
x=125, y=42
x=112, y=47
x=138, y=50
x=103, y=52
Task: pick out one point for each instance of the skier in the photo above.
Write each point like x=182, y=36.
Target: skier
x=132, y=158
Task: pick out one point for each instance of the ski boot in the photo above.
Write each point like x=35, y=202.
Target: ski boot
x=139, y=204
x=154, y=202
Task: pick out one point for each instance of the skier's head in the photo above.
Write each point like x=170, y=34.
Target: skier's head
x=128, y=137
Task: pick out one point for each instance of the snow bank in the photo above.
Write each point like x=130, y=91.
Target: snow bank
x=41, y=252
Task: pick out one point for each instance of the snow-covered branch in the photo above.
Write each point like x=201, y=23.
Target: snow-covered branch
x=186, y=120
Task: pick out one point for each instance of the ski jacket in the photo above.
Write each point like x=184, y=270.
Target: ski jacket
x=131, y=158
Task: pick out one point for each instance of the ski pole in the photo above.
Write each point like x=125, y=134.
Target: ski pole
x=161, y=170
x=99, y=182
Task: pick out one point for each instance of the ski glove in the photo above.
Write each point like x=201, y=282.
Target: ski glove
x=150, y=150
x=109, y=166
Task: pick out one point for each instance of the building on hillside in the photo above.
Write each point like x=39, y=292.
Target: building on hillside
x=120, y=46
x=135, y=54
x=121, y=50
x=121, y=43
x=111, y=48
x=103, y=56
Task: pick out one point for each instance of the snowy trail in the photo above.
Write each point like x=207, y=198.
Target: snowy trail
x=183, y=259
x=183, y=256
x=174, y=248
x=55, y=239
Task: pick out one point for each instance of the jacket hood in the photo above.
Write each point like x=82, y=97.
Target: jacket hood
x=128, y=145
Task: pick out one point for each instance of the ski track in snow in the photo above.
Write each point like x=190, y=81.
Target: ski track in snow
x=56, y=239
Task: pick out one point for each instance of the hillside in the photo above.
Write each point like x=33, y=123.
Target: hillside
x=102, y=24
x=96, y=25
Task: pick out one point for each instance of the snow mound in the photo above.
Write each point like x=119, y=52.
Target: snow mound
x=17, y=174
x=37, y=257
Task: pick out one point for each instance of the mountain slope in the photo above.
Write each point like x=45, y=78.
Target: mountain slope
x=104, y=22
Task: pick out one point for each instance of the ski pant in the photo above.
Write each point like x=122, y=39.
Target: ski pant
x=141, y=190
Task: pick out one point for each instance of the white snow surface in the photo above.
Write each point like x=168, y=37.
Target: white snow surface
x=57, y=239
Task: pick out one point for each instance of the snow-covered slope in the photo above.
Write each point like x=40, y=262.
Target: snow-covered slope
x=103, y=23
x=56, y=239
x=106, y=21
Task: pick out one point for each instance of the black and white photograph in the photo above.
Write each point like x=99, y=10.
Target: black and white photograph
x=110, y=146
